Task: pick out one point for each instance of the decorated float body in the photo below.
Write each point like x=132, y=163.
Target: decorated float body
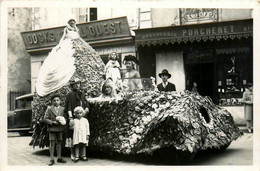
x=150, y=122
x=142, y=121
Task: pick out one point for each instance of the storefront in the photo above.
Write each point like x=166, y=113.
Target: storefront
x=105, y=36
x=217, y=56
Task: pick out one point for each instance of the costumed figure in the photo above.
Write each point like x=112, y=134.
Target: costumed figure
x=108, y=92
x=131, y=77
x=70, y=60
x=113, y=70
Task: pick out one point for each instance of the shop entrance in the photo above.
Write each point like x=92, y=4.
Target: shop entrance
x=203, y=75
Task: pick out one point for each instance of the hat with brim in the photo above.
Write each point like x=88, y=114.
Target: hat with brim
x=75, y=81
x=131, y=58
x=165, y=72
x=71, y=20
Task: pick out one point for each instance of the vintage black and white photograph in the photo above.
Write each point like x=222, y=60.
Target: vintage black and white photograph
x=129, y=86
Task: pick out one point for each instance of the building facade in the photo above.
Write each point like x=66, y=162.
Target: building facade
x=195, y=45
x=212, y=47
x=18, y=59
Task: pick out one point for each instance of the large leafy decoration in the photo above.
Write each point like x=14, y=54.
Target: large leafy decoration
x=145, y=121
x=89, y=70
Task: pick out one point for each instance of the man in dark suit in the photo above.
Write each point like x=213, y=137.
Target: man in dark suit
x=165, y=85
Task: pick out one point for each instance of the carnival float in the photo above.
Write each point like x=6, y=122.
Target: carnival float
x=145, y=122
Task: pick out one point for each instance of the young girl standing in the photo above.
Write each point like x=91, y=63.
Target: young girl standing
x=80, y=134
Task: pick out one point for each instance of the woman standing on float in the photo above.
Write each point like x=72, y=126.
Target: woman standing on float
x=58, y=67
x=72, y=59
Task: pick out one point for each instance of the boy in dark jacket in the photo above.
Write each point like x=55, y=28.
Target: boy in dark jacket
x=54, y=117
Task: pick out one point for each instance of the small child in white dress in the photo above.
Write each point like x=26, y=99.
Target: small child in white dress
x=80, y=134
x=113, y=70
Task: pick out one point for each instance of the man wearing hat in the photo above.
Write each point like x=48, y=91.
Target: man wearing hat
x=165, y=85
x=73, y=99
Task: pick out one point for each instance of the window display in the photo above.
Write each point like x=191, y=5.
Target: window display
x=234, y=71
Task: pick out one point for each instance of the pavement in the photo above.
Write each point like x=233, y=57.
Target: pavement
x=21, y=154
x=240, y=152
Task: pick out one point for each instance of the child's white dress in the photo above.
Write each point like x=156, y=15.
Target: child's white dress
x=81, y=130
x=113, y=71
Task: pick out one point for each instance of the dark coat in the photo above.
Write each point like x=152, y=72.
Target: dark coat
x=50, y=117
x=74, y=99
x=169, y=87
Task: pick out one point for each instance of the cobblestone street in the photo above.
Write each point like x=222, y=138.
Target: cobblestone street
x=240, y=152
x=20, y=153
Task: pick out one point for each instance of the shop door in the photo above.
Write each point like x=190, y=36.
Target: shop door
x=203, y=75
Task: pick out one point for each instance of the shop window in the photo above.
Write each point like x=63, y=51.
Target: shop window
x=234, y=72
x=198, y=15
x=199, y=56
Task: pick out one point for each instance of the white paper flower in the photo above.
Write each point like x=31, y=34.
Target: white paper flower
x=61, y=120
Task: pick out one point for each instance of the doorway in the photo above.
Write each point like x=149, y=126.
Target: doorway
x=203, y=74
x=173, y=62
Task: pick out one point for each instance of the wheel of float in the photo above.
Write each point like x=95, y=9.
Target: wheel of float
x=184, y=157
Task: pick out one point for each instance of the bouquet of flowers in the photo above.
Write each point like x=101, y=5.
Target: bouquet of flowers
x=61, y=120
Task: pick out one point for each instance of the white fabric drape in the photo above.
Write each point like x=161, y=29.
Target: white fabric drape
x=57, y=68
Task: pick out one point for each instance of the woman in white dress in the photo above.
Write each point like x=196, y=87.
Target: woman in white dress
x=58, y=67
x=72, y=59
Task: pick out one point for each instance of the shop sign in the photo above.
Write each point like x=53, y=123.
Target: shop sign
x=92, y=31
x=197, y=31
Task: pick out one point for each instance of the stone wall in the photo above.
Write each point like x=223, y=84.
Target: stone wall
x=19, y=69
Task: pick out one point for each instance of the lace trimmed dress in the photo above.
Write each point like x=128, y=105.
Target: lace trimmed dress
x=81, y=131
x=58, y=67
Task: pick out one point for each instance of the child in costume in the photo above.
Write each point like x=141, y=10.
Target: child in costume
x=113, y=70
x=80, y=134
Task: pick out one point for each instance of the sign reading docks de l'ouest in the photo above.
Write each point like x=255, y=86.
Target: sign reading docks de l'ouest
x=91, y=31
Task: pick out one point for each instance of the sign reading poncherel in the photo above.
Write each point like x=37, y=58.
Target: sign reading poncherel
x=92, y=31
x=209, y=31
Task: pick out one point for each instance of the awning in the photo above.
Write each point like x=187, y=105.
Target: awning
x=196, y=32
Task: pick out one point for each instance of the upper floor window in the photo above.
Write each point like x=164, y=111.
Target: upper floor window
x=145, y=18
x=198, y=15
x=87, y=14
